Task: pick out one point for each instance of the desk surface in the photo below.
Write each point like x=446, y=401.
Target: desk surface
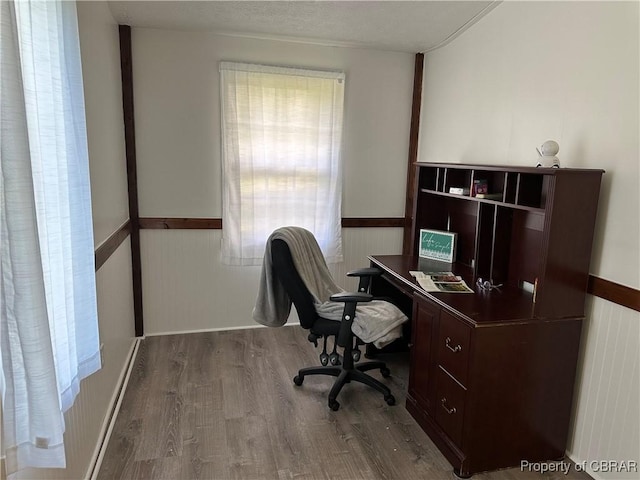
x=503, y=305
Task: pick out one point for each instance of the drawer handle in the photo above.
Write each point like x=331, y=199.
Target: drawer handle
x=450, y=411
x=455, y=349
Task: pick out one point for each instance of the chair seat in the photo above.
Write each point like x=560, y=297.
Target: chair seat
x=324, y=326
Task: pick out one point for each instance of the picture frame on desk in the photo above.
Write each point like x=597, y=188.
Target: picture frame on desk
x=437, y=245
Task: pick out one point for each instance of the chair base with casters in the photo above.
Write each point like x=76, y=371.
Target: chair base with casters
x=343, y=367
x=347, y=372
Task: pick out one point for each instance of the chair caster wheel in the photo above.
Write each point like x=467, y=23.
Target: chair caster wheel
x=390, y=399
x=334, y=405
x=355, y=355
x=458, y=474
x=334, y=358
x=298, y=380
x=324, y=359
x=385, y=372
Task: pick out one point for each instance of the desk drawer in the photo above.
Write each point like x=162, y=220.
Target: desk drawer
x=450, y=403
x=453, y=346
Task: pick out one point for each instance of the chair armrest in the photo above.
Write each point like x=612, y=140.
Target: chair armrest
x=350, y=301
x=365, y=272
x=365, y=275
x=347, y=297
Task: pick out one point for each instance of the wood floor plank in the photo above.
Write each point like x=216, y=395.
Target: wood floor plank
x=222, y=405
x=335, y=440
x=249, y=448
x=165, y=402
x=207, y=402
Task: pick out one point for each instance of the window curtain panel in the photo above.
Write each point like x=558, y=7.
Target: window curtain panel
x=48, y=330
x=282, y=132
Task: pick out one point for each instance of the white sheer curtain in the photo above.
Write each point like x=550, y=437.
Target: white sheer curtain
x=49, y=330
x=282, y=131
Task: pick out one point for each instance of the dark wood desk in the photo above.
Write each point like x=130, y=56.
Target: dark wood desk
x=491, y=384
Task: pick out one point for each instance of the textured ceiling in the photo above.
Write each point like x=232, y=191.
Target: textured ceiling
x=407, y=26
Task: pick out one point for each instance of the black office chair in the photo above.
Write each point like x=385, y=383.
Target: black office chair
x=342, y=366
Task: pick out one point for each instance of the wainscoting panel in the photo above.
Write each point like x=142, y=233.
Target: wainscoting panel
x=607, y=405
x=186, y=288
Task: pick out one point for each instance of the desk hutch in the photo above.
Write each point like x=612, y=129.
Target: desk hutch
x=492, y=373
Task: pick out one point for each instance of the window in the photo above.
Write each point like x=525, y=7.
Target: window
x=48, y=317
x=282, y=130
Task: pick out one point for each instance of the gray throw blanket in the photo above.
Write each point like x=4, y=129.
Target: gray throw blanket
x=376, y=322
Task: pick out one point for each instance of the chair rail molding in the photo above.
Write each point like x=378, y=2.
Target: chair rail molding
x=111, y=244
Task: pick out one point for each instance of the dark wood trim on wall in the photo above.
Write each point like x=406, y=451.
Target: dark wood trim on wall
x=407, y=241
x=366, y=222
x=614, y=292
x=111, y=244
x=155, y=223
x=126, y=67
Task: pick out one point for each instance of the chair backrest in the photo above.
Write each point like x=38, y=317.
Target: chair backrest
x=284, y=268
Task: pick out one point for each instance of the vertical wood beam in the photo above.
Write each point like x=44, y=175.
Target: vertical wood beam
x=126, y=68
x=407, y=241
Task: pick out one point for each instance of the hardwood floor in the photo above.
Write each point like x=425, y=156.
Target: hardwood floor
x=222, y=405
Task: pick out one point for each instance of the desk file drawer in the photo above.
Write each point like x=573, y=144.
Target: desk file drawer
x=453, y=346
x=450, y=403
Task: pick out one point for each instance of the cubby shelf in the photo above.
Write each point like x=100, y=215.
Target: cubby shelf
x=539, y=230
x=483, y=200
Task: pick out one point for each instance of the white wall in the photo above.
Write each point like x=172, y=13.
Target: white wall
x=508, y=84
x=177, y=114
x=103, y=100
x=568, y=71
x=105, y=132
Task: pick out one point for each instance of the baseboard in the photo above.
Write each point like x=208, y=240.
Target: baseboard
x=114, y=408
x=585, y=466
x=221, y=329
